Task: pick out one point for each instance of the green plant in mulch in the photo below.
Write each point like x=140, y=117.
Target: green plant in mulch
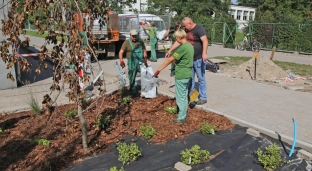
x=206, y=128
x=1, y=130
x=270, y=158
x=194, y=155
x=70, y=113
x=171, y=110
x=116, y=169
x=103, y=121
x=43, y=142
x=147, y=131
x=126, y=100
x=128, y=152
x=33, y=103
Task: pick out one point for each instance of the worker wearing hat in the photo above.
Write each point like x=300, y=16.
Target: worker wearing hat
x=135, y=51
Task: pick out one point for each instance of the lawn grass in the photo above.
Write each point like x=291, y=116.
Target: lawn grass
x=298, y=69
x=35, y=34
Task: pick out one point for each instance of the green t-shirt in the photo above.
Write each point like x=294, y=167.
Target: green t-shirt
x=127, y=47
x=152, y=32
x=183, y=56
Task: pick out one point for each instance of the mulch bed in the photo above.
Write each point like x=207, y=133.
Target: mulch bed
x=20, y=152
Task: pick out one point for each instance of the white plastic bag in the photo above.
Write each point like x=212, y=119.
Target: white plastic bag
x=148, y=84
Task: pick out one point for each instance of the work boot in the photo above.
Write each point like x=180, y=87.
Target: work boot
x=179, y=120
x=201, y=102
x=172, y=74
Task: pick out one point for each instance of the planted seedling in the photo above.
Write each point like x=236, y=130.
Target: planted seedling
x=128, y=152
x=171, y=110
x=147, y=131
x=125, y=100
x=103, y=122
x=43, y=142
x=194, y=156
x=116, y=169
x=70, y=113
x=270, y=158
x=206, y=128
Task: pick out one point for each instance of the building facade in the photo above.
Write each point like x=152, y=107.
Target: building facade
x=242, y=14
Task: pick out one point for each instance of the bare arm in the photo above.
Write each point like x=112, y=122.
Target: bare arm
x=204, y=39
x=120, y=54
x=166, y=63
x=144, y=27
x=167, y=33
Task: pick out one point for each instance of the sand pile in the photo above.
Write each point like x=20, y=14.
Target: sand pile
x=265, y=70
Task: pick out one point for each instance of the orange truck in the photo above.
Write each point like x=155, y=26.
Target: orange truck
x=105, y=33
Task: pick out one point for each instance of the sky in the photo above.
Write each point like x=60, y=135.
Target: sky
x=233, y=1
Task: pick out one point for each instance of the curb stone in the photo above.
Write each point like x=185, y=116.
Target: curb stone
x=304, y=145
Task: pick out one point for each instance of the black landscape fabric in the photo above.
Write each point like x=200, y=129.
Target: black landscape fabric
x=235, y=151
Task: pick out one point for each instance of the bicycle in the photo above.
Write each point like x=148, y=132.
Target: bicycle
x=245, y=44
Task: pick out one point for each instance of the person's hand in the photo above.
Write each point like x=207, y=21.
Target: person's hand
x=156, y=74
x=145, y=62
x=205, y=57
x=122, y=64
x=141, y=22
x=168, y=54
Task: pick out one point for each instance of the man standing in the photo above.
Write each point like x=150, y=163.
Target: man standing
x=135, y=50
x=170, y=33
x=183, y=56
x=196, y=35
x=152, y=31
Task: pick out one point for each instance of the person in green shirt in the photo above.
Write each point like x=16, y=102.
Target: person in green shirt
x=135, y=50
x=152, y=31
x=169, y=33
x=183, y=56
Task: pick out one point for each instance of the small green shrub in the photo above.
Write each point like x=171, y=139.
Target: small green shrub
x=84, y=103
x=70, y=113
x=125, y=100
x=207, y=129
x=194, y=156
x=103, y=122
x=127, y=152
x=43, y=142
x=116, y=169
x=171, y=109
x=33, y=103
x=147, y=131
x=270, y=158
x=1, y=130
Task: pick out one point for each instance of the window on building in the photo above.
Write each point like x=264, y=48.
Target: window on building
x=239, y=14
x=245, y=15
x=233, y=13
x=251, y=15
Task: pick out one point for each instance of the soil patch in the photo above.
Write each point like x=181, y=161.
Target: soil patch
x=20, y=151
x=267, y=72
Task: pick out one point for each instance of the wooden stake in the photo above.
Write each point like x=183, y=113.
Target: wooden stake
x=272, y=54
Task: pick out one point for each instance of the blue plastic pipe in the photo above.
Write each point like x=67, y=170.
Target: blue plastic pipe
x=295, y=138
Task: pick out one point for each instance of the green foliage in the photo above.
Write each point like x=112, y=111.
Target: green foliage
x=70, y=113
x=206, y=128
x=270, y=158
x=194, y=156
x=126, y=100
x=33, y=103
x=116, y=169
x=103, y=121
x=84, y=102
x=1, y=130
x=127, y=152
x=148, y=131
x=171, y=109
x=250, y=3
x=43, y=142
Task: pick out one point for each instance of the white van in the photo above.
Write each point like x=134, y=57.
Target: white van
x=128, y=22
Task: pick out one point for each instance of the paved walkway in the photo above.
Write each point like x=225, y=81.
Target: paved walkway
x=262, y=105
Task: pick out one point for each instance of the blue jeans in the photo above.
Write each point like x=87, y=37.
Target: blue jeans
x=199, y=67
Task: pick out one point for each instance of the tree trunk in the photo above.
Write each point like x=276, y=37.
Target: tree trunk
x=83, y=128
